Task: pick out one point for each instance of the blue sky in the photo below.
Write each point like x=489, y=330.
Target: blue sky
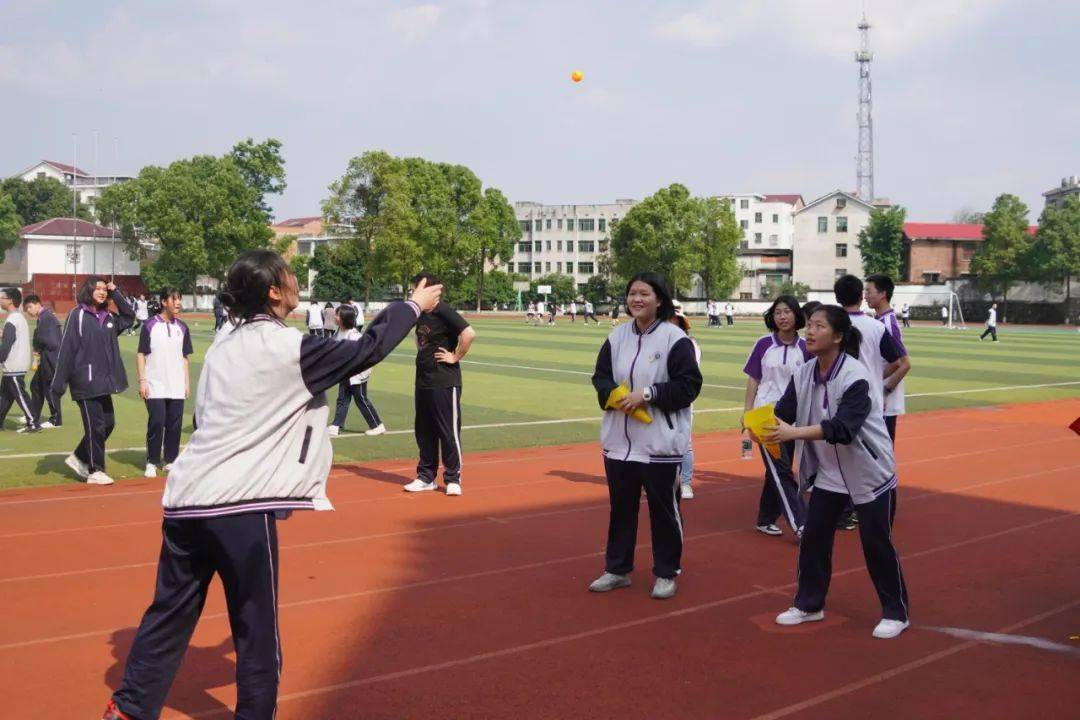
x=972, y=97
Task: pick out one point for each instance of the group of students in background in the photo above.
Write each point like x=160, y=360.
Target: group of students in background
x=715, y=310
x=536, y=310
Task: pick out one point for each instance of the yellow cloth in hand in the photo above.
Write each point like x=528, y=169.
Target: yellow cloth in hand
x=757, y=420
x=618, y=394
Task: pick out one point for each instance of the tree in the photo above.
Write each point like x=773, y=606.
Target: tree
x=340, y=273
x=262, y=166
x=1054, y=255
x=998, y=262
x=881, y=242
x=797, y=289
x=494, y=229
x=967, y=216
x=719, y=244
x=9, y=225
x=498, y=288
x=661, y=233
x=199, y=214
x=563, y=288
x=597, y=289
x=40, y=199
x=299, y=266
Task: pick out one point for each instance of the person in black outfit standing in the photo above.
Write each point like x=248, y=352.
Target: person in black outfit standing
x=47, y=345
x=219, y=313
x=442, y=339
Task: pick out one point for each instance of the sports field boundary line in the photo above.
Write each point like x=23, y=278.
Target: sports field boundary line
x=591, y=418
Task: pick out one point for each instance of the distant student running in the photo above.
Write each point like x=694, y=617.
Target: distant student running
x=354, y=387
x=614, y=314
x=89, y=361
x=843, y=448
x=260, y=452
x=879, y=292
x=769, y=369
x=46, y=342
x=991, y=325
x=572, y=312
x=15, y=360
x=590, y=313
x=164, y=380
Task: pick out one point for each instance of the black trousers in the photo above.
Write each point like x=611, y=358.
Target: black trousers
x=41, y=393
x=243, y=550
x=438, y=428
x=875, y=532
x=98, y=419
x=730, y=319
x=991, y=331
x=13, y=392
x=357, y=393
x=661, y=482
x=165, y=418
x=219, y=321
x=907, y=322
x=780, y=492
x=591, y=315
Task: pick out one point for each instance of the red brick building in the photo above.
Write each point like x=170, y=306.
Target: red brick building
x=936, y=252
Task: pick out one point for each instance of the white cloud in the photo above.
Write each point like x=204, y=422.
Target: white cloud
x=415, y=23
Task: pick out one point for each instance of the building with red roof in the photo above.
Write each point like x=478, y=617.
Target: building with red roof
x=936, y=252
x=87, y=187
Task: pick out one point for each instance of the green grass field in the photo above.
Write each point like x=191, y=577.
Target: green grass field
x=528, y=386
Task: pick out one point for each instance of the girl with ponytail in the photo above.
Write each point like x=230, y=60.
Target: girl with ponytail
x=842, y=450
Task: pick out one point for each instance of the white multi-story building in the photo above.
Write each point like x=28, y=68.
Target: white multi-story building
x=563, y=239
x=768, y=226
x=826, y=239
x=88, y=188
x=1069, y=186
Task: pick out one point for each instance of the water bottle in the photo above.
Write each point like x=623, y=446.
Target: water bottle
x=747, y=448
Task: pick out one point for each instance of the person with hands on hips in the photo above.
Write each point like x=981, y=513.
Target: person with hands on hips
x=655, y=362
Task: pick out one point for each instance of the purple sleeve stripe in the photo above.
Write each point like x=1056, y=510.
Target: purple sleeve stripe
x=753, y=363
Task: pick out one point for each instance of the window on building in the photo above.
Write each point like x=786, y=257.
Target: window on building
x=585, y=268
x=744, y=204
x=840, y=272
x=547, y=244
x=41, y=175
x=558, y=267
x=547, y=267
x=603, y=246
x=569, y=223
x=538, y=226
x=841, y=202
x=586, y=246
x=841, y=223
x=932, y=278
x=744, y=244
x=748, y=273
x=524, y=247
x=757, y=238
x=746, y=296
x=524, y=225
x=586, y=225
x=525, y=268
x=757, y=217
x=569, y=268
x=558, y=224
x=558, y=245
x=775, y=218
x=841, y=249
x=603, y=224
x=744, y=224
x=569, y=246
x=774, y=241
x=536, y=268
x=548, y=223
x=823, y=224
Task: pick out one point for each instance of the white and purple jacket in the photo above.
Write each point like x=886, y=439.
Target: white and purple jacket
x=663, y=359
x=894, y=401
x=772, y=363
x=876, y=352
x=261, y=443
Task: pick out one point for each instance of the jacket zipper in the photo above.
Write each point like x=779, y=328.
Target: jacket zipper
x=868, y=448
x=626, y=418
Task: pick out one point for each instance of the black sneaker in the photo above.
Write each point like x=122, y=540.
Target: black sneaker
x=846, y=521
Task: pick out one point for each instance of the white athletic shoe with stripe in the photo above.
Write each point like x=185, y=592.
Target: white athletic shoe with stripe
x=99, y=478
x=419, y=485
x=453, y=488
x=795, y=616
x=888, y=629
x=77, y=466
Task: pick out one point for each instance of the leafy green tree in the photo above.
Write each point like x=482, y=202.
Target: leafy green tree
x=797, y=289
x=498, y=288
x=494, y=229
x=881, y=242
x=40, y=199
x=563, y=289
x=262, y=166
x=9, y=225
x=719, y=244
x=299, y=265
x=1054, y=255
x=662, y=233
x=597, y=289
x=198, y=214
x=340, y=273
x=998, y=261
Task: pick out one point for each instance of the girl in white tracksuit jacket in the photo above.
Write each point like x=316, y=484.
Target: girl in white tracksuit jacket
x=842, y=449
x=260, y=451
x=655, y=360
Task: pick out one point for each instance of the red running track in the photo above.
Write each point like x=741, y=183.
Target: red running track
x=402, y=606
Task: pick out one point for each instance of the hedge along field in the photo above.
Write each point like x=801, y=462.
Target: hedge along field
x=529, y=386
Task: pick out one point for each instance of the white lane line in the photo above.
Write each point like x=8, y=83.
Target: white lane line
x=1005, y=639
x=992, y=389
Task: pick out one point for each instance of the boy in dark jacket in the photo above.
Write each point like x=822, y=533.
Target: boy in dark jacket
x=46, y=344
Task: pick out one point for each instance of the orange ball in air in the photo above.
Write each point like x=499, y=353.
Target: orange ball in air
x=577, y=76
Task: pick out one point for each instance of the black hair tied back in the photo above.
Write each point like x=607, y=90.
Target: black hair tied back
x=247, y=286
x=840, y=322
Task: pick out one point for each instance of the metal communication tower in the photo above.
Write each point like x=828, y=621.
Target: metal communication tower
x=864, y=160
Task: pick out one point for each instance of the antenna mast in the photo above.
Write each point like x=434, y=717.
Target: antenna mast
x=864, y=160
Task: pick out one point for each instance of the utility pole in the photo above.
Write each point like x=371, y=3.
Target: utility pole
x=864, y=160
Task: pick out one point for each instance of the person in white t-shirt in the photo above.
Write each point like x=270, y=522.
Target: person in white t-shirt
x=729, y=310
x=355, y=387
x=991, y=324
x=944, y=315
x=164, y=380
x=572, y=311
x=315, y=319
x=905, y=314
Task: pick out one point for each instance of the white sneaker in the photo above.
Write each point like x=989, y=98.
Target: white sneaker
x=686, y=492
x=47, y=425
x=453, y=488
x=887, y=629
x=609, y=581
x=377, y=430
x=99, y=478
x=769, y=529
x=795, y=616
x=419, y=485
x=150, y=471
x=663, y=589
x=333, y=431
x=77, y=466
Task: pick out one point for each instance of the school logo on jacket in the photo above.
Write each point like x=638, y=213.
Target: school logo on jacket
x=656, y=356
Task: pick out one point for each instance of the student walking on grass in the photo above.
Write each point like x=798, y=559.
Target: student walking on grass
x=260, y=451
x=655, y=361
x=355, y=387
x=842, y=448
x=164, y=380
x=89, y=362
x=769, y=368
x=991, y=325
x=443, y=338
x=15, y=360
x=46, y=344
